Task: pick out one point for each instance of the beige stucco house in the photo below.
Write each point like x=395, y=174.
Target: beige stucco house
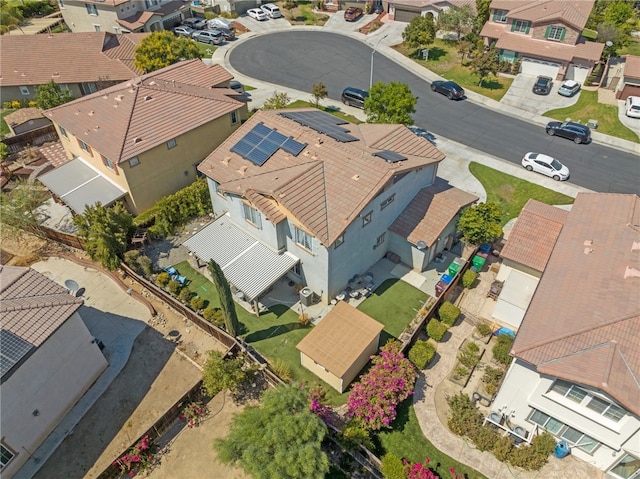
x=339, y=347
x=142, y=140
x=49, y=359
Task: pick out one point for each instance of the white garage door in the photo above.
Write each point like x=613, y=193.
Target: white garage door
x=531, y=66
x=577, y=73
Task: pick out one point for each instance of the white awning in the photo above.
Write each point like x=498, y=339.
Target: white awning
x=250, y=265
x=514, y=299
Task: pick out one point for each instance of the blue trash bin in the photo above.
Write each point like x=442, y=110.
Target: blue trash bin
x=562, y=450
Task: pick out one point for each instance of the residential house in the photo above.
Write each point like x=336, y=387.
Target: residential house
x=629, y=84
x=142, y=140
x=309, y=195
x=406, y=10
x=524, y=258
x=81, y=62
x=49, y=360
x=340, y=345
x=123, y=16
x=576, y=355
x=24, y=120
x=545, y=36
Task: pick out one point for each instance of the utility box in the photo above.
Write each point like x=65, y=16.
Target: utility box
x=306, y=297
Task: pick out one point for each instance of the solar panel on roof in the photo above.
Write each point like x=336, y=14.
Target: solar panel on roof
x=390, y=156
x=322, y=122
x=261, y=142
x=292, y=146
x=12, y=349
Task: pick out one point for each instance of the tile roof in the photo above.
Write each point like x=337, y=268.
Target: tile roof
x=67, y=58
x=340, y=338
x=55, y=154
x=583, y=323
x=430, y=211
x=632, y=66
x=526, y=45
x=437, y=4
x=141, y=17
x=575, y=13
x=127, y=119
x=534, y=235
x=32, y=308
x=329, y=183
x=22, y=115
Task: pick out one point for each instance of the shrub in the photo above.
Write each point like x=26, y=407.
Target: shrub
x=502, y=348
x=174, y=287
x=131, y=259
x=186, y=295
x=421, y=353
x=146, y=265
x=7, y=105
x=483, y=329
x=197, y=303
x=492, y=378
x=485, y=438
x=470, y=355
x=214, y=316
x=534, y=456
x=464, y=417
x=436, y=330
x=15, y=104
x=448, y=313
x=502, y=448
x=392, y=467
x=282, y=370
x=460, y=372
x=468, y=278
x=163, y=279
x=354, y=434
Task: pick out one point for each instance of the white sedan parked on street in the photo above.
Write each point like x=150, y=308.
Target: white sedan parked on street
x=257, y=13
x=546, y=165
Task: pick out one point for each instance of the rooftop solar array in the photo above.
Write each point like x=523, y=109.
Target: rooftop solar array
x=12, y=349
x=390, y=156
x=259, y=144
x=322, y=122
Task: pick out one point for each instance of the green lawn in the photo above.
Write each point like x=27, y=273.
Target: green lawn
x=407, y=440
x=511, y=193
x=4, y=128
x=633, y=48
x=587, y=107
x=394, y=303
x=339, y=114
x=206, y=50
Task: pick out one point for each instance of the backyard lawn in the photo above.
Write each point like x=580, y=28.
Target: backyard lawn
x=511, y=193
x=587, y=107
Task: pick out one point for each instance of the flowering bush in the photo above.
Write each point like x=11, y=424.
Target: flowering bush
x=373, y=400
x=420, y=470
x=316, y=397
x=194, y=413
x=139, y=458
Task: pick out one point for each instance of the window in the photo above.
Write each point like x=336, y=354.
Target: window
x=63, y=132
x=380, y=239
x=606, y=409
x=550, y=424
x=88, y=87
x=627, y=467
x=555, y=33
x=234, y=117
x=568, y=390
x=388, y=201
x=500, y=16
x=91, y=9
x=303, y=239
x=559, y=429
x=5, y=455
x=62, y=87
x=520, y=26
x=24, y=90
x=96, y=27
x=397, y=178
x=135, y=161
x=171, y=143
x=339, y=241
x=251, y=214
x=297, y=269
x=85, y=147
x=366, y=219
x=108, y=163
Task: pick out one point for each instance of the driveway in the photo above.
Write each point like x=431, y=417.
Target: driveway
x=520, y=95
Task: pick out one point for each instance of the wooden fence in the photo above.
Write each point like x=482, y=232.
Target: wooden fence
x=62, y=238
x=37, y=137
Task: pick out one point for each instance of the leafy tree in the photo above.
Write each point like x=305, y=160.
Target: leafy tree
x=390, y=103
x=226, y=299
x=480, y=223
x=484, y=62
x=105, y=231
x=18, y=208
x=318, y=92
x=10, y=17
x=420, y=32
x=617, y=35
x=460, y=20
x=221, y=374
x=4, y=151
x=280, y=439
x=619, y=13
x=163, y=48
x=51, y=95
x=465, y=47
x=277, y=101
x=483, y=12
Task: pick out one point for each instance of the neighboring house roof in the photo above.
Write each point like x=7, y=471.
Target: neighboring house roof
x=430, y=211
x=141, y=17
x=23, y=115
x=583, y=324
x=526, y=45
x=534, y=235
x=575, y=13
x=329, y=183
x=340, y=338
x=632, y=66
x=32, y=308
x=67, y=58
x=130, y=118
x=436, y=4
x=55, y=154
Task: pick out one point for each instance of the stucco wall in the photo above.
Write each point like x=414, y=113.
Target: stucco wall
x=333, y=381
x=79, y=20
x=570, y=37
x=51, y=381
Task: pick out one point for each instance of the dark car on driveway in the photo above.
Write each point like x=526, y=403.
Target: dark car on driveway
x=573, y=131
x=195, y=23
x=543, y=85
x=351, y=14
x=452, y=90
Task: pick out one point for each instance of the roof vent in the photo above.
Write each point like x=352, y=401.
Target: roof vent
x=319, y=141
x=588, y=242
x=96, y=128
x=631, y=273
x=91, y=113
x=635, y=246
x=105, y=97
x=119, y=97
x=137, y=139
x=306, y=153
x=225, y=161
x=588, y=251
x=147, y=98
x=243, y=169
x=55, y=74
x=355, y=177
x=152, y=82
x=77, y=112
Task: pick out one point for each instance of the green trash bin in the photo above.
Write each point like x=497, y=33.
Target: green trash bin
x=453, y=269
x=478, y=262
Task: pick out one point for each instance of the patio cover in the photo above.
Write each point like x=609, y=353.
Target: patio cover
x=248, y=264
x=79, y=185
x=515, y=297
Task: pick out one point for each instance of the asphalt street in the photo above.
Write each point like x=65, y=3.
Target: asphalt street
x=339, y=61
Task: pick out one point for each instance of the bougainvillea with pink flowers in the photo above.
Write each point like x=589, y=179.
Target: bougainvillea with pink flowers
x=421, y=470
x=373, y=400
x=139, y=458
x=194, y=413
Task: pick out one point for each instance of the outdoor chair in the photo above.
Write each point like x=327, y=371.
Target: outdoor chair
x=171, y=270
